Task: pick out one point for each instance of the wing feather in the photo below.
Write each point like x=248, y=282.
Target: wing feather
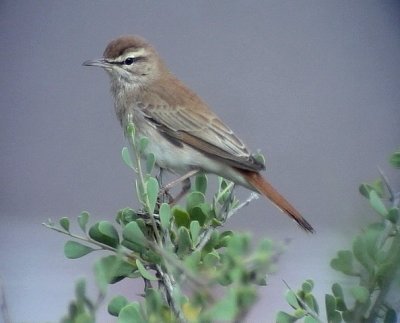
x=197, y=126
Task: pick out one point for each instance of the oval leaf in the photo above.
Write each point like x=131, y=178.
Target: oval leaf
x=104, y=232
x=73, y=249
x=360, y=293
x=184, y=242
x=194, y=199
x=143, y=271
x=181, y=217
x=194, y=231
x=143, y=143
x=64, y=222
x=283, y=317
x=130, y=314
x=377, y=203
x=395, y=159
x=165, y=215
x=200, y=183
x=291, y=298
x=133, y=233
x=150, y=162
x=116, y=304
x=83, y=219
x=130, y=130
x=152, y=189
x=126, y=157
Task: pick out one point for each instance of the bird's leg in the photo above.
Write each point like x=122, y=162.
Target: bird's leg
x=185, y=180
x=163, y=194
x=159, y=177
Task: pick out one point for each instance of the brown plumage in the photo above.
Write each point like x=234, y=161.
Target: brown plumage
x=185, y=135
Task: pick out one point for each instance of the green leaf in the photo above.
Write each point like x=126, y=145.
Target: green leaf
x=393, y=215
x=338, y=293
x=238, y=245
x=154, y=301
x=365, y=189
x=110, y=269
x=64, y=222
x=192, y=261
x=337, y=290
x=80, y=291
x=361, y=253
x=307, y=286
x=130, y=314
x=130, y=130
x=133, y=233
x=199, y=214
x=84, y=318
x=200, y=184
x=143, y=271
x=377, y=203
x=194, y=199
x=104, y=232
x=73, y=249
x=152, y=193
x=184, y=242
x=116, y=304
x=395, y=159
x=194, y=231
x=181, y=217
x=372, y=237
x=126, y=215
x=360, y=293
x=330, y=303
x=126, y=157
x=211, y=259
x=332, y=314
x=150, y=162
x=383, y=271
x=283, y=317
x=225, y=309
x=83, y=220
x=299, y=313
x=310, y=319
x=312, y=303
x=224, y=238
x=165, y=215
x=143, y=143
x=291, y=298
x=213, y=241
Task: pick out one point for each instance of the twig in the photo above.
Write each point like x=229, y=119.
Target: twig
x=86, y=239
x=168, y=283
x=309, y=310
x=179, y=265
x=253, y=196
x=91, y=241
x=131, y=141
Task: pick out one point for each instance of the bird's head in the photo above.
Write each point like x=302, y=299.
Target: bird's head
x=130, y=61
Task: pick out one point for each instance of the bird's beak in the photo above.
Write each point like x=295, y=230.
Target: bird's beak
x=96, y=62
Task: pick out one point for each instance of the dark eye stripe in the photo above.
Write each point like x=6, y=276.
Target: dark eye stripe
x=130, y=60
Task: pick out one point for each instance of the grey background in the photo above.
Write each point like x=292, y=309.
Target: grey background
x=313, y=84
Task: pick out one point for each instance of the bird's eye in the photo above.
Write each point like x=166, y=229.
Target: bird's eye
x=129, y=61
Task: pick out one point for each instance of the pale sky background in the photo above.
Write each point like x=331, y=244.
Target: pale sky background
x=313, y=84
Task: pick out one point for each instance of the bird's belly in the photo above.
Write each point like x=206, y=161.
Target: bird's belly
x=182, y=158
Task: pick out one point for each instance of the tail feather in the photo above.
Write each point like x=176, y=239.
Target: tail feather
x=266, y=189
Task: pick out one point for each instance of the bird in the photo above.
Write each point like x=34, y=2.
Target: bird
x=185, y=135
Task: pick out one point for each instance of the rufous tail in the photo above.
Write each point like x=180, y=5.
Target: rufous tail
x=263, y=187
